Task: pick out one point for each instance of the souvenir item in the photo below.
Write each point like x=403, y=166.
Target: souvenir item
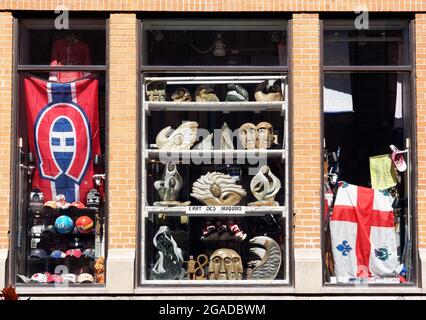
x=398, y=158
x=169, y=187
x=169, y=257
x=85, y=278
x=51, y=278
x=226, y=138
x=78, y=205
x=268, y=91
x=39, y=277
x=205, y=93
x=206, y=144
x=265, y=135
x=265, y=186
x=61, y=202
x=225, y=264
x=38, y=253
x=268, y=252
x=50, y=204
x=181, y=95
x=63, y=134
x=57, y=254
x=93, y=199
x=64, y=224
x=89, y=253
x=217, y=189
x=36, y=200
x=248, y=136
x=69, y=277
x=38, y=229
x=76, y=253
x=69, y=51
x=190, y=268
x=202, y=262
x=84, y=224
x=156, y=91
x=236, y=93
x=182, y=138
x=99, y=270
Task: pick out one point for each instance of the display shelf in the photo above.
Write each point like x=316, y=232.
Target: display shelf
x=270, y=153
x=249, y=211
x=225, y=107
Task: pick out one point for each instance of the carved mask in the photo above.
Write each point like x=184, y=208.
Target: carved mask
x=248, y=135
x=264, y=135
x=225, y=264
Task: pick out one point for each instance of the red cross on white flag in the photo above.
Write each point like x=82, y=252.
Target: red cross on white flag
x=362, y=233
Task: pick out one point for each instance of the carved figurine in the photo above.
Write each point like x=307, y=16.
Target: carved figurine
x=169, y=257
x=181, y=95
x=226, y=138
x=169, y=187
x=99, y=270
x=225, y=264
x=236, y=93
x=156, y=91
x=265, y=135
x=265, y=186
x=217, y=189
x=205, y=93
x=248, y=136
x=190, y=268
x=182, y=138
x=206, y=144
x=268, y=90
x=268, y=264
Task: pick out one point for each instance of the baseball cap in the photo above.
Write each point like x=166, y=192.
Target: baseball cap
x=54, y=278
x=89, y=253
x=85, y=277
x=69, y=277
x=39, y=277
x=73, y=253
x=78, y=204
x=57, y=254
x=51, y=204
x=38, y=253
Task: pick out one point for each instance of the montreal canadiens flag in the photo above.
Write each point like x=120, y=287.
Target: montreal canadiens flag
x=63, y=130
x=362, y=233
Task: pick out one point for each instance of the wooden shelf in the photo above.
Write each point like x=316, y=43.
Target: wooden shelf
x=249, y=211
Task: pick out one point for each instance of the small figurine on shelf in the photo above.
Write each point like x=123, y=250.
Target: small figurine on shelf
x=265, y=186
x=183, y=138
x=190, y=268
x=169, y=187
x=61, y=202
x=225, y=264
x=93, y=199
x=36, y=200
x=248, y=136
x=99, y=270
x=205, y=93
x=265, y=135
x=268, y=90
x=181, y=95
x=236, y=93
x=268, y=261
x=226, y=138
x=156, y=91
x=217, y=189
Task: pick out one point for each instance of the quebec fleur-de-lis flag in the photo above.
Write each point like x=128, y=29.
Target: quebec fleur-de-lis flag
x=63, y=132
x=362, y=233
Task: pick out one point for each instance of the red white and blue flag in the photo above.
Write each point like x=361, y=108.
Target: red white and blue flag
x=63, y=131
x=362, y=234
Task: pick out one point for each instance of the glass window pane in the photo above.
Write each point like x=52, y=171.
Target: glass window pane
x=365, y=114
x=213, y=45
x=381, y=44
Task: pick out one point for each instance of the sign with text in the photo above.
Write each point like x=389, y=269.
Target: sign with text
x=205, y=210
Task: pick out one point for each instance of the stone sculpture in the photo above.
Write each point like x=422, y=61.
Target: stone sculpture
x=205, y=93
x=181, y=95
x=226, y=138
x=169, y=187
x=265, y=135
x=265, y=186
x=268, y=90
x=225, y=264
x=217, y=189
x=248, y=136
x=268, y=264
x=206, y=144
x=183, y=138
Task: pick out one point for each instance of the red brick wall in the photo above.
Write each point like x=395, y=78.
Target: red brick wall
x=306, y=130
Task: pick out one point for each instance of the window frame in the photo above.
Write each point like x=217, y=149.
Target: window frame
x=411, y=176
x=18, y=206
x=274, y=286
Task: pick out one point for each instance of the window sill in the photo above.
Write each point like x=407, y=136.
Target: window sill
x=61, y=290
x=387, y=289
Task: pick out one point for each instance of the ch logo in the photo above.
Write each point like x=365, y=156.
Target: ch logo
x=63, y=142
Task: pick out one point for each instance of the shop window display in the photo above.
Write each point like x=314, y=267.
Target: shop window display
x=61, y=154
x=214, y=172
x=368, y=218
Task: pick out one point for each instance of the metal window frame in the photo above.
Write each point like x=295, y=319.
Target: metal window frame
x=141, y=284
x=377, y=24
x=18, y=70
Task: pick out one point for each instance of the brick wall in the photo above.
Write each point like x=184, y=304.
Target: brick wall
x=306, y=130
x=217, y=5
x=122, y=171
x=421, y=125
x=5, y=123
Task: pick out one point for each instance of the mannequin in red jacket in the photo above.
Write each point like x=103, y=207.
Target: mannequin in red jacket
x=69, y=51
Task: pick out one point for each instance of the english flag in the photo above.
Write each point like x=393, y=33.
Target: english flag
x=362, y=233
x=63, y=131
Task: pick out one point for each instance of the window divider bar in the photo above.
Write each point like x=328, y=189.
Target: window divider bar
x=209, y=69
x=405, y=68
x=48, y=68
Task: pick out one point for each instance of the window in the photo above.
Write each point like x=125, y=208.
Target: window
x=60, y=129
x=367, y=125
x=214, y=138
